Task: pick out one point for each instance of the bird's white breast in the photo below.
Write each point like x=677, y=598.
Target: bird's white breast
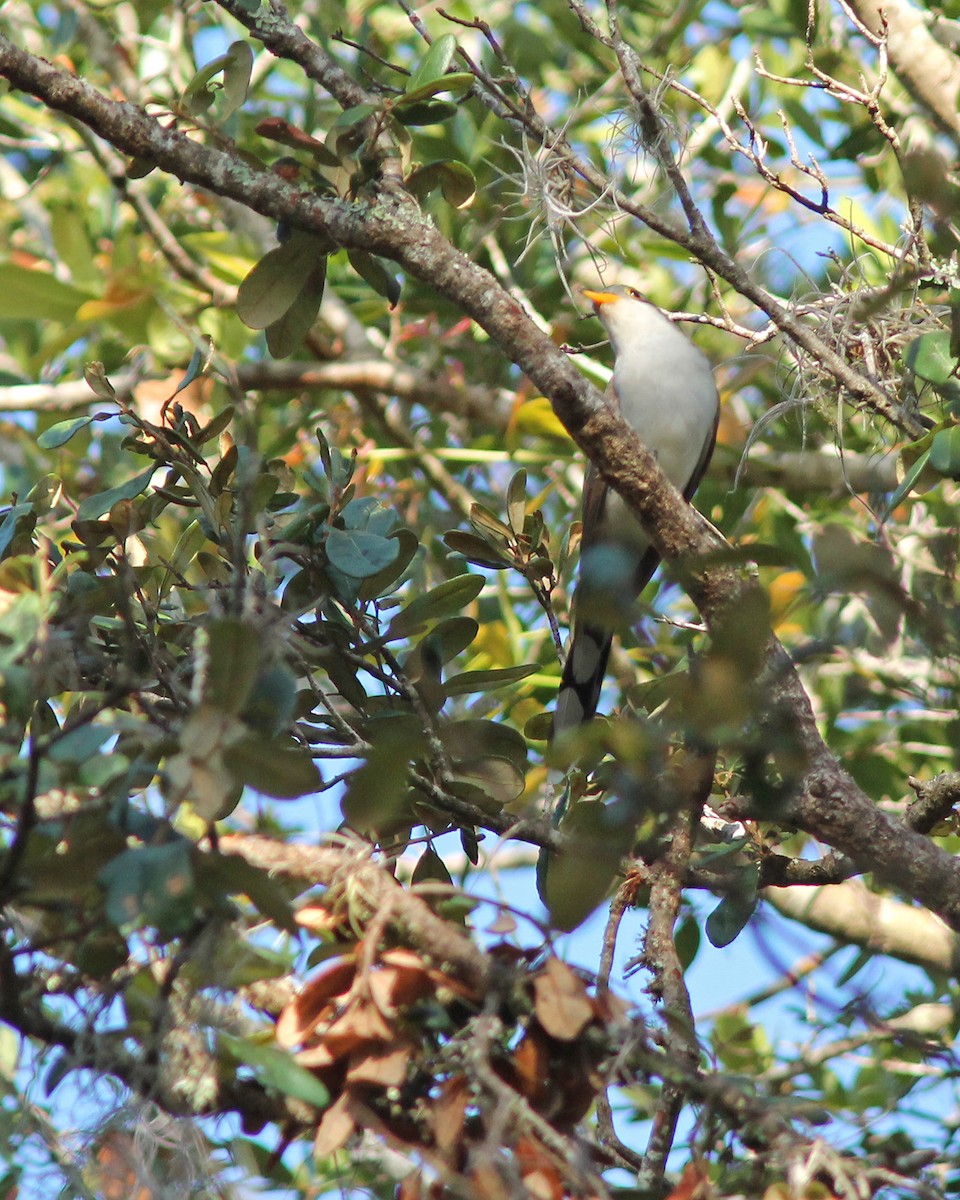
x=666, y=391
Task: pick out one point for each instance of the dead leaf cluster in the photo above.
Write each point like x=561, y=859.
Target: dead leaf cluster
x=393, y=1037
x=556, y=1063
x=351, y=1024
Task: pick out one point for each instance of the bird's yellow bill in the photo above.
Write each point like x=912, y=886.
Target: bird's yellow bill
x=599, y=298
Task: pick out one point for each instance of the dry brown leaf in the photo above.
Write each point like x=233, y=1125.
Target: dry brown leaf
x=410, y=978
x=561, y=1002
x=301, y=1015
x=538, y=1169
x=358, y=1027
x=487, y=1183
x=544, y=1185
x=444, y=982
x=318, y=918
x=368, y=1022
x=384, y=1068
x=410, y=1187
x=505, y=923
x=398, y=956
x=531, y=1061
x=391, y=987
x=449, y=1113
x=342, y=1039
x=315, y=1056
x=116, y=1160
x=611, y=1009
x=336, y=1126
x=555, y=1077
x=694, y=1183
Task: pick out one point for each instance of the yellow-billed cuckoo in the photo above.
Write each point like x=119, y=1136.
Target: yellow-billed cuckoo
x=664, y=388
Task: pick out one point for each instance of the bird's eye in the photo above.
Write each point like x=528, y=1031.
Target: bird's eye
x=634, y=293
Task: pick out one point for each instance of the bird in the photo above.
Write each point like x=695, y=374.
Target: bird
x=664, y=388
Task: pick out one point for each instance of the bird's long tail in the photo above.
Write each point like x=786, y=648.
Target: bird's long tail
x=582, y=679
x=586, y=665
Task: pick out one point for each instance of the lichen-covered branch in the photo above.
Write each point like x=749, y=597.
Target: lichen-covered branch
x=829, y=804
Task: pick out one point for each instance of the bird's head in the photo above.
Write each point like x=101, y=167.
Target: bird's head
x=622, y=310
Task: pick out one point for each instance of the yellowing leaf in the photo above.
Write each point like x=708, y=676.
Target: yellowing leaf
x=537, y=417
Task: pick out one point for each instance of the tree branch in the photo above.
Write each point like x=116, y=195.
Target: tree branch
x=851, y=913
x=830, y=805
x=928, y=70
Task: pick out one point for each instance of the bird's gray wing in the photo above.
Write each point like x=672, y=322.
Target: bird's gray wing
x=589, y=650
x=703, y=462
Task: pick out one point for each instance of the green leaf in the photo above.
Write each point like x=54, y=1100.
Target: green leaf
x=448, y=639
x=434, y=63
x=199, y=362
x=517, y=501
x=79, y=744
x=430, y=868
x=276, y=1068
x=860, y=960
x=32, y=294
x=945, y=452
x=728, y=919
x=490, y=782
x=687, y=941
x=18, y=522
x=740, y=1045
x=95, y=376
x=445, y=600
x=272, y=701
x=360, y=554
x=216, y=426
x=426, y=112
x=151, y=885
x=457, y=83
x=476, y=550
x=366, y=512
x=95, y=506
x=63, y=431
x=233, y=659
x=286, y=335
x=487, y=756
x=477, y=738
x=233, y=875
x=454, y=179
x=486, y=681
x=929, y=357
x=372, y=271
x=375, y=585
x=487, y=522
x=139, y=168
x=282, y=770
x=353, y=116
x=376, y=799
x=236, y=65
x=343, y=676
x=276, y=281
x=189, y=544
x=237, y=68
x=71, y=241
x=909, y=480
x=198, y=95
x=576, y=878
